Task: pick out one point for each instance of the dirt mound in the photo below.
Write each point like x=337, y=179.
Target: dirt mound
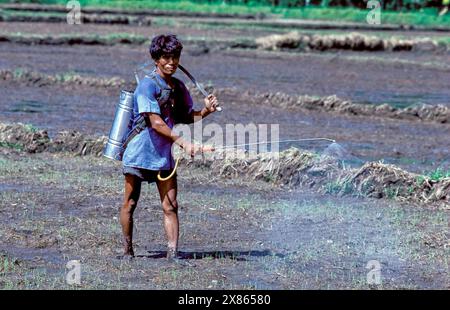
x=24, y=137
x=39, y=79
x=291, y=167
x=380, y=180
x=33, y=140
x=85, y=19
x=334, y=104
x=290, y=41
x=296, y=167
x=77, y=143
x=73, y=39
x=352, y=41
x=280, y=41
x=198, y=43
x=424, y=112
x=285, y=169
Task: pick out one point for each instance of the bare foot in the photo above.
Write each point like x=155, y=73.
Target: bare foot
x=171, y=253
x=128, y=249
x=128, y=253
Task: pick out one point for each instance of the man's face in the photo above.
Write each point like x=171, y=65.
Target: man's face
x=168, y=64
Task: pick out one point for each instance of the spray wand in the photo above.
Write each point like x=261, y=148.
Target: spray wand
x=247, y=144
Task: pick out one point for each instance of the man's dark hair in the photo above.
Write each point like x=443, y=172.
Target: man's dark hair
x=165, y=44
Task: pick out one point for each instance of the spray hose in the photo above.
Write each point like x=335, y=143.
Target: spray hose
x=171, y=174
x=245, y=144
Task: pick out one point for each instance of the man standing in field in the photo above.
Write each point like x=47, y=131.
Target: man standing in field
x=164, y=101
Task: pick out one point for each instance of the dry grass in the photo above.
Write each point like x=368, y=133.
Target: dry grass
x=423, y=112
x=39, y=79
x=353, y=41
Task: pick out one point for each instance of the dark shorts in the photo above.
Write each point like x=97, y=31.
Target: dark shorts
x=149, y=176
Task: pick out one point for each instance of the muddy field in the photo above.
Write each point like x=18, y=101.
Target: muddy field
x=237, y=232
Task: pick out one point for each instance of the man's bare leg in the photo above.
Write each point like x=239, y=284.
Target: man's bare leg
x=168, y=194
x=132, y=192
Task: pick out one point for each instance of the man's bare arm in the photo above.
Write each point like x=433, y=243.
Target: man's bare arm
x=211, y=104
x=157, y=124
x=198, y=115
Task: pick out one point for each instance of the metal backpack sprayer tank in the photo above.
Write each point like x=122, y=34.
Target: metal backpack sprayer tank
x=121, y=129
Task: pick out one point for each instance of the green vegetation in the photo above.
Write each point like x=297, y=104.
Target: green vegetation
x=10, y=145
x=435, y=175
x=7, y=265
x=424, y=16
x=392, y=193
x=31, y=128
x=339, y=187
x=439, y=174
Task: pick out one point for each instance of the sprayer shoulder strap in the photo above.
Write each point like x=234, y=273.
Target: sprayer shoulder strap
x=142, y=122
x=164, y=96
x=140, y=125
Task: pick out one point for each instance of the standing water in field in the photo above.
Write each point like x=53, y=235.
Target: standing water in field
x=337, y=151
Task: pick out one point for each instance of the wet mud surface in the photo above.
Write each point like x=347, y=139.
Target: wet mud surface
x=235, y=234
x=90, y=110
x=377, y=80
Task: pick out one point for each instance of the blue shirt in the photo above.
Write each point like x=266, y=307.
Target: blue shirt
x=150, y=150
